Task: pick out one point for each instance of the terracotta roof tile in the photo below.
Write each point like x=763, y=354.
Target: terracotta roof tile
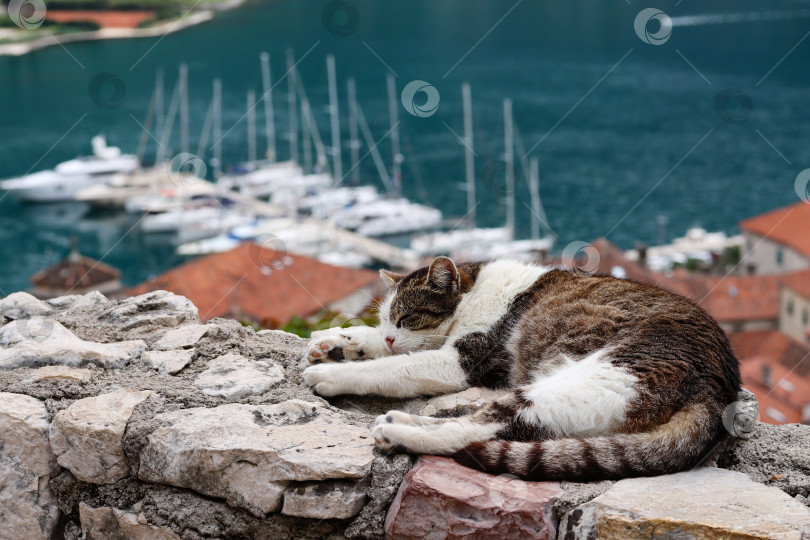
x=732, y=298
x=75, y=272
x=785, y=350
x=727, y=299
x=788, y=226
x=798, y=282
x=787, y=363
x=250, y=281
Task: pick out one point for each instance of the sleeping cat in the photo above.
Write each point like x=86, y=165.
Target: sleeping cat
x=609, y=378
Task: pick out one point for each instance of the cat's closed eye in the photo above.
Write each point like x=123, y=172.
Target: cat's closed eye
x=403, y=318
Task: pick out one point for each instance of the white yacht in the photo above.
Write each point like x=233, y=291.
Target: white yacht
x=325, y=204
x=459, y=240
x=169, y=198
x=388, y=217
x=197, y=210
x=69, y=177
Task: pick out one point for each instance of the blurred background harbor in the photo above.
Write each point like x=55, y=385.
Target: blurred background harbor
x=599, y=151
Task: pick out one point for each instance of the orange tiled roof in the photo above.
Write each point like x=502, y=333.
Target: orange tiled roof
x=783, y=349
x=75, y=272
x=799, y=282
x=788, y=364
x=731, y=298
x=788, y=226
x=246, y=282
x=785, y=393
x=727, y=299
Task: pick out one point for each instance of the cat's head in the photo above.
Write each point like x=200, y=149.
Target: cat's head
x=418, y=311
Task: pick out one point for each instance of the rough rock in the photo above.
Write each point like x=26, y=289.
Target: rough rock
x=324, y=500
x=39, y=342
x=248, y=453
x=702, y=503
x=22, y=305
x=194, y=517
x=386, y=476
x=773, y=455
x=75, y=301
x=233, y=376
x=86, y=437
x=106, y=523
x=460, y=403
x=169, y=362
x=577, y=493
x=181, y=338
x=441, y=499
x=26, y=466
x=57, y=373
x=159, y=308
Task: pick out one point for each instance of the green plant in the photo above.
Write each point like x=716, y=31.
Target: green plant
x=326, y=319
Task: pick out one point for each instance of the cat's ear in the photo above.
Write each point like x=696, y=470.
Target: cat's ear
x=443, y=274
x=390, y=278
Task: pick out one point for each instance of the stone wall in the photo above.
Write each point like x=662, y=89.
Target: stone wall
x=131, y=420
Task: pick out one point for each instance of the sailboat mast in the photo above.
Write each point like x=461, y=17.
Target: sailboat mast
x=469, y=160
x=534, y=192
x=171, y=113
x=393, y=115
x=372, y=148
x=293, y=108
x=217, y=127
x=159, y=113
x=337, y=160
x=251, y=125
x=184, y=117
x=509, y=160
x=147, y=125
x=269, y=114
x=354, y=144
x=306, y=138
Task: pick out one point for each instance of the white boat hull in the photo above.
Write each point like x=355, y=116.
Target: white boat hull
x=48, y=186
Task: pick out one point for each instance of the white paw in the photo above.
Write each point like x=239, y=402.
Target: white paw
x=386, y=436
x=325, y=348
x=395, y=417
x=323, y=379
x=338, y=344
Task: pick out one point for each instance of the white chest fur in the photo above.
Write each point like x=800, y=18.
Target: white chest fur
x=498, y=283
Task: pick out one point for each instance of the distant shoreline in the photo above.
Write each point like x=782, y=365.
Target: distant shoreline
x=175, y=25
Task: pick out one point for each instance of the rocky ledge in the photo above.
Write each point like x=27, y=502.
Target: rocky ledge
x=130, y=419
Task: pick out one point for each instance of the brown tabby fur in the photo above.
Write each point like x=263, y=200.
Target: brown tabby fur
x=687, y=373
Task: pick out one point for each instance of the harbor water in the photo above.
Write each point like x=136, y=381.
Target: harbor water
x=625, y=131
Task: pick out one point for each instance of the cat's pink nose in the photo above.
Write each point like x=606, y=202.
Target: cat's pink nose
x=390, y=341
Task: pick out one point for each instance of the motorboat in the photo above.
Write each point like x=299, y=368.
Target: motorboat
x=169, y=198
x=459, y=240
x=123, y=187
x=69, y=177
x=388, y=217
x=324, y=204
x=195, y=211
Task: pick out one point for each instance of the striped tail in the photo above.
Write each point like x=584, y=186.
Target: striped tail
x=679, y=444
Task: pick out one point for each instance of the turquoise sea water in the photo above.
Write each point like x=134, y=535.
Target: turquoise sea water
x=624, y=130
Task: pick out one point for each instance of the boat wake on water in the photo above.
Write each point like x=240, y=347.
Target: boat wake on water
x=731, y=18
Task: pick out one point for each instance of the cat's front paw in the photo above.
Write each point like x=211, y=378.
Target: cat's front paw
x=382, y=435
x=338, y=344
x=326, y=347
x=388, y=436
x=395, y=417
x=324, y=380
